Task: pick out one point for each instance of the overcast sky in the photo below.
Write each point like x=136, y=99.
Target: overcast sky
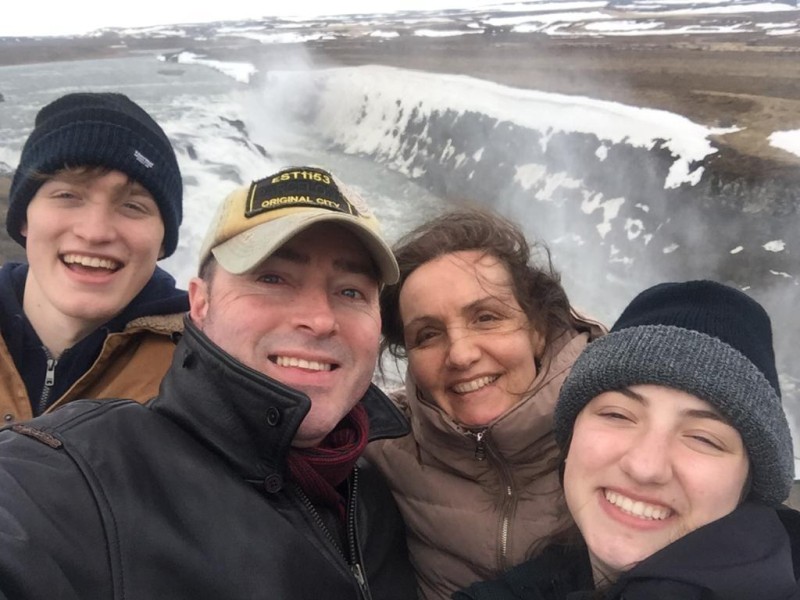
x=55, y=17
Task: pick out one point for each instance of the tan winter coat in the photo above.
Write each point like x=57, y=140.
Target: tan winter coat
x=131, y=364
x=475, y=507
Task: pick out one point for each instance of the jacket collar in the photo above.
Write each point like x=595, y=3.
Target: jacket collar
x=743, y=555
x=242, y=415
x=13, y=323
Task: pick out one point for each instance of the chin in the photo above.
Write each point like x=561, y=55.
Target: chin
x=97, y=316
x=476, y=421
x=625, y=561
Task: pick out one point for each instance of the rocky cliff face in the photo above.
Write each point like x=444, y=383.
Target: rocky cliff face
x=617, y=217
x=614, y=201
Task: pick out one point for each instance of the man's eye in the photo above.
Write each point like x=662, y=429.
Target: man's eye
x=137, y=207
x=352, y=293
x=269, y=278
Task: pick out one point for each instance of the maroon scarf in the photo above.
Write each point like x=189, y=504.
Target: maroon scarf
x=320, y=470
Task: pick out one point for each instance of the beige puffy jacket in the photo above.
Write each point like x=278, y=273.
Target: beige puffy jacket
x=475, y=507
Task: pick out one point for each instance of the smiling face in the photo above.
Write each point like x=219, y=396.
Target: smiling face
x=92, y=243
x=471, y=348
x=307, y=316
x=647, y=465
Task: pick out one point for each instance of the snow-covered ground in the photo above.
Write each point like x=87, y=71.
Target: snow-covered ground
x=786, y=140
x=577, y=18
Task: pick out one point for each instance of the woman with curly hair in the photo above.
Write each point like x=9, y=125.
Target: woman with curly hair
x=489, y=335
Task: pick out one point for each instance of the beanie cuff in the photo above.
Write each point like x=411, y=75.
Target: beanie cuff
x=698, y=364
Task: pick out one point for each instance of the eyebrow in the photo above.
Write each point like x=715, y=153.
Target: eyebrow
x=135, y=185
x=698, y=413
x=346, y=265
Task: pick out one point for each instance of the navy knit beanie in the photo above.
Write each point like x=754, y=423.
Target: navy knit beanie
x=91, y=129
x=709, y=340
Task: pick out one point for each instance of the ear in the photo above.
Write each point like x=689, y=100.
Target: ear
x=538, y=342
x=23, y=230
x=161, y=252
x=199, y=300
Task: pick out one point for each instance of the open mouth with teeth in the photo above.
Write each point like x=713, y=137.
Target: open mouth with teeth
x=90, y=262
x=637, y=508
x=310, y=365
x=475, y=384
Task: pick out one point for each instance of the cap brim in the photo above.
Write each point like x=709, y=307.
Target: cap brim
x=245, y=251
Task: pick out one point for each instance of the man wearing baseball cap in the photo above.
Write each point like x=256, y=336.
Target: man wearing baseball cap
x=242, y=479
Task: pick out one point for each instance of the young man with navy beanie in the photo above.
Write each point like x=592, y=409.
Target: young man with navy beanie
x=95, y=201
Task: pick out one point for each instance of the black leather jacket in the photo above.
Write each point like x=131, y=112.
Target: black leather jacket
x=186, y=497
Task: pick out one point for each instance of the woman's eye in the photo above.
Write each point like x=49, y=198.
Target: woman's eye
x=614, y=415
x=423, y=337
x=706, y=440
x=486, y=317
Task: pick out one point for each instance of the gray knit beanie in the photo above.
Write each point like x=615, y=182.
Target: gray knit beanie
x=709, y=340
x=99, y=129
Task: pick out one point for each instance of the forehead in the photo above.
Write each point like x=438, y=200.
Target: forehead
x=456, y=283
x=329, y=241
x=469, y=269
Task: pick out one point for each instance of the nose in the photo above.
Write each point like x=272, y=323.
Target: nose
x=314, y=312
x=647, y=460
x=463, y=350
x=95, y=224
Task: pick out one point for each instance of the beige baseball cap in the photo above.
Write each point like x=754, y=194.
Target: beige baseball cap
x=255, y=220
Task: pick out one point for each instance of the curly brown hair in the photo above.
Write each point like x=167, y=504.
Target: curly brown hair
x=536, y=285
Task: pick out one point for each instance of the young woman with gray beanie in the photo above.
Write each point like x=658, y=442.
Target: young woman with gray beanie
x=95, y=201
x=677, y=457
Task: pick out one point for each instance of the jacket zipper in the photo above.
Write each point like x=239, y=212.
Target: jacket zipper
x=505, y=527
x=354, y=564
x=319, y=522
x=506, y=511
x=352, y=538
x=480, y=445
x=49, y=381
x=483, y=450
